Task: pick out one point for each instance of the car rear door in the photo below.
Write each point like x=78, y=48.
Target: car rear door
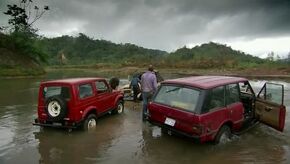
x=269, y=106
x=175, y=107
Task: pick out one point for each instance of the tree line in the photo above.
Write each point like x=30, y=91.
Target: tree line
x=20, y=37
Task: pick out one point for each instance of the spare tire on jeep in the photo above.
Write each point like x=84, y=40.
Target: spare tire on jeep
x=56, y=108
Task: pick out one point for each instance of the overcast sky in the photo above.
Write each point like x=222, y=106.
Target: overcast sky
x=253, y=26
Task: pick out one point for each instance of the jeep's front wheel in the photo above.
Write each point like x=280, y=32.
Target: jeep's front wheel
x=120, y=108
x=90, y=123
x=56, y=108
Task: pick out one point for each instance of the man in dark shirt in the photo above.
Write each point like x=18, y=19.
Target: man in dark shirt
x=135, y=86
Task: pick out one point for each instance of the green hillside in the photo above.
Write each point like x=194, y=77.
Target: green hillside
x=28, y=57
x=85, y=50
x=82, y=50
x=212, y=55
x=16, y=60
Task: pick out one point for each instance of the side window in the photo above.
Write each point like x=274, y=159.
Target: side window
x=273, y=93
x=232, y=95
x=101, y=86
x=216, y=98
x=245, y=88
x=85, y=90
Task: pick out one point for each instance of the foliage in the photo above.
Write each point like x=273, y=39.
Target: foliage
x=85, y=50
x=23, y=16
x=22, y=37
x=211, y=55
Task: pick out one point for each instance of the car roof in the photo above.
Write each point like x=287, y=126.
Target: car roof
x=205, y=82
x=73, y=80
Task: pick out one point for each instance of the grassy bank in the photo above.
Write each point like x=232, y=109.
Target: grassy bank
x=124, y=71
x=20, y=72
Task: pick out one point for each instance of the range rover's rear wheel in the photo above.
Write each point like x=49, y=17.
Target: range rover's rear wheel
x=56, y=108
x=90, y=123
x=223, y=135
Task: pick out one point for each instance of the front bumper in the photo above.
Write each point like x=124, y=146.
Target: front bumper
x=54, y=125
x=171, y=130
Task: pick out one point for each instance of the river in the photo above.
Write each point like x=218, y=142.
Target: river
x=121, y=138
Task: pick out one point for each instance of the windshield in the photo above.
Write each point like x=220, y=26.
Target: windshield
x=179, y=97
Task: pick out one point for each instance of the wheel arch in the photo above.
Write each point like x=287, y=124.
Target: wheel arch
x=88, y=111
x=117, y=99
x=228, y=123
x=217, y=135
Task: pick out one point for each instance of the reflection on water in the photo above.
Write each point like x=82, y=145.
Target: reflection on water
x=121, y=138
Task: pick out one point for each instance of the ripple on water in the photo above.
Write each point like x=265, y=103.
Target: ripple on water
x=6, y=140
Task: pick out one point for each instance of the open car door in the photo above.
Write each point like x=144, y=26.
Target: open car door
x=269, y=106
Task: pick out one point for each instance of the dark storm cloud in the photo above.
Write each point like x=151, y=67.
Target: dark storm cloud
x=167, y=24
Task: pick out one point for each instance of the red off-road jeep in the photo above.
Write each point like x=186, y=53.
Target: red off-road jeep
x=211, y=108
x=71, y=103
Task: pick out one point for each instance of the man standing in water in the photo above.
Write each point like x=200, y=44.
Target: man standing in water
x=148, y=86
x=135, y=86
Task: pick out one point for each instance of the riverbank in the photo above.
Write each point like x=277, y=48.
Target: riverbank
x=125, y=71
x=107, y=70
x=14, y=64
x=20, y=72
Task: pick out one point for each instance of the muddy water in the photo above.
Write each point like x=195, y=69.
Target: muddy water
x=121, y=138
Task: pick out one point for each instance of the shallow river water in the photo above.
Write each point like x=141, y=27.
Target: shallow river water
x=121, y=138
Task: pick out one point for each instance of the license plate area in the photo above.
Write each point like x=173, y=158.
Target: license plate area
x=56, y=124
x=169, y=121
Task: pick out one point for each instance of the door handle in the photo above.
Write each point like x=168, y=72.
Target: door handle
x=268, y=109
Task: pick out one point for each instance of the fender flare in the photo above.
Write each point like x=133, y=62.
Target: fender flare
x=120, y=97
x=228, y=122
x=88, y=110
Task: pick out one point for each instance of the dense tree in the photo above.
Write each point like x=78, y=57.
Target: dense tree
x=23, y=16
x=22, y=35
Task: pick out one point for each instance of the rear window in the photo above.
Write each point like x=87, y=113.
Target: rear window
x=56, y=91
x=178, y=97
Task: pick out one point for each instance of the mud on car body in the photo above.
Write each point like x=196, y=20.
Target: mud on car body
x=78, y=102
x=211, y=108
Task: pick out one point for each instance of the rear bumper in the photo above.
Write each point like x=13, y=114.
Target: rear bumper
x=55, y=125
x=172, y=130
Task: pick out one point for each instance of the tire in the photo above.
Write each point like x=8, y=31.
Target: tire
x=223, y=135
x=120, y=108
x=90, y=123
x=56, y=108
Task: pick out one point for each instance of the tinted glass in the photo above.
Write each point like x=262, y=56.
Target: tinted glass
x=215, y=99
x=85, y=90
x=232, y=95
x=273, y=93
x=245, y=88
x=179, y=97
x=101, y=86
x=56, y=91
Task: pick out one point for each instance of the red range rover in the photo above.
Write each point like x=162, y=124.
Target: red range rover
x=211, y=108
x=71, y=103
